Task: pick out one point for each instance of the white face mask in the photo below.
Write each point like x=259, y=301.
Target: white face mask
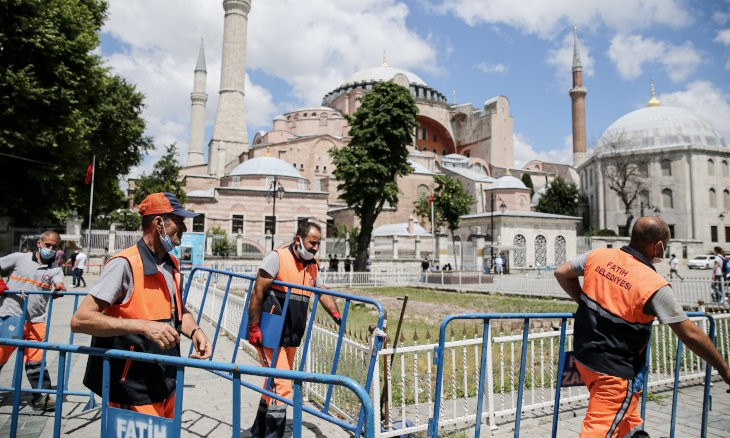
x=656, y=259
x=302, y=252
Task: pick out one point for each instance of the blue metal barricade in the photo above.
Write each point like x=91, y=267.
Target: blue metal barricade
x=207, y=275
x=18, y=366
x=486, y=318
x=114, y=422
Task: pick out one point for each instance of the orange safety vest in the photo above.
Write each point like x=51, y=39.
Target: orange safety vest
x=291, y=270
x=138, y=383
x=611, y=329
x=150, y=300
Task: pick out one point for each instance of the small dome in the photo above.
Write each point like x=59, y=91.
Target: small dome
x=265, y=166
x=661, y=126
x=383, y=73
x=280, y=117
x=508, y=182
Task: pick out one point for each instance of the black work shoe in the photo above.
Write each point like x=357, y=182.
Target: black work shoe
x=43, y=402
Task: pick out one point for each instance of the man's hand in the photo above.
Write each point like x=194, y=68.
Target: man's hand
x=337, y=318
x=57, y=289
x=162, y=334
x=201, y=346
x=255, y=337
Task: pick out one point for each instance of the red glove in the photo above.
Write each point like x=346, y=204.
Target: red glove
x=3, y=287
x=337, y=318
x=254, y=335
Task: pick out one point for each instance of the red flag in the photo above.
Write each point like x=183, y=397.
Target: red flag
x=430, y=198
x=89, y=173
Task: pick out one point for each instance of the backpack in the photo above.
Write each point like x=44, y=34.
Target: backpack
x=725, y=265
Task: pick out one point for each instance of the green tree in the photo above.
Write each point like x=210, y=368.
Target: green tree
x=560, y=197
x=165, y=177
x=451, y=201
x=368, y=167
x=349, y=233
x=527, y=180
x=60, y=106
x=125, y=219
x=221, y=246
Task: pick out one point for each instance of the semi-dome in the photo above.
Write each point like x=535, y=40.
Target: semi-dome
x=508, y=182
x=383, y=73
x=658, y=127
x=265, y=166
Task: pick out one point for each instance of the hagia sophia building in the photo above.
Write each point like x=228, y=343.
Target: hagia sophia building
x=259, y=192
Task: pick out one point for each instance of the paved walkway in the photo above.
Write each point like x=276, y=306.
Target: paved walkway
x=207, y=403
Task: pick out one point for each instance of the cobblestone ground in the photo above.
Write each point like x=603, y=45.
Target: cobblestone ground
x=207, y=402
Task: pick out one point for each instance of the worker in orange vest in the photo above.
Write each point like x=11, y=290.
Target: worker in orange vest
x=621, y=295
x=296, y=264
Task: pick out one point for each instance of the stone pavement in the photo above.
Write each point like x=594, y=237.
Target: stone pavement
x=207, y=402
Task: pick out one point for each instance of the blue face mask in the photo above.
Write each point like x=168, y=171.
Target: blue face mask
x=47, y=253
x=165, y=239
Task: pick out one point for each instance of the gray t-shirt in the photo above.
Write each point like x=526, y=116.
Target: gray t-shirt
x=116, y=283
x=662, y=304
x=27, y=274
x=270, y=265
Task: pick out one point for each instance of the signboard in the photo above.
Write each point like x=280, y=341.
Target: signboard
x=571, y=376
x=121, y=423
x=191, y=250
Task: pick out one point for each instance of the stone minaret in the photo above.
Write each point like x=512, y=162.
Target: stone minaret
x=229, y=133
x=577, y=97
x=198, y=98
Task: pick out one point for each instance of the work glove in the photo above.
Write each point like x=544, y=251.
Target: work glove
x=3, y=287
x=254, y=335
x=337, y=318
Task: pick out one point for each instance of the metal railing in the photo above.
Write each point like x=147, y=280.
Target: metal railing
x=235, y=322
x=678, y=371
x=172, y=427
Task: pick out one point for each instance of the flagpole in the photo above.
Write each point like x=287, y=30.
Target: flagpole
x=91, y=203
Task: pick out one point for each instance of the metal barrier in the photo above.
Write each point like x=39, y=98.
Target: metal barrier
x=207, y=275
x=172, y=427
x=91, y=404
x=486, y=318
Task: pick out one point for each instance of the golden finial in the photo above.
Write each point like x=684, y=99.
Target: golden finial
x=508, y=172
x=653, y=101
x=385, y=59
x=268, y=151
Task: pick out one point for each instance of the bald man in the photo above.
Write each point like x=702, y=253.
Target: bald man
x=621, y=295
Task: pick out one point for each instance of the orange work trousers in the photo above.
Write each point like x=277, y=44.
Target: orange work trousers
x=164, y=408
x=613, y=405
x=284, y=361
x=32, y=331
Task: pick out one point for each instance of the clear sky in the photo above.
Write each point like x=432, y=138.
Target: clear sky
x=471, y=49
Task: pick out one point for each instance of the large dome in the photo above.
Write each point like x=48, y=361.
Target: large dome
x=383, y=73
x=658, y=127
x=266, y=166
x=508, y=182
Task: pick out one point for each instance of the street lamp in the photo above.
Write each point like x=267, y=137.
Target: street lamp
x=275, y=190
x=650, y=207
x=502, y=208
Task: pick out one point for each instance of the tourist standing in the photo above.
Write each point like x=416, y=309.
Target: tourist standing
x=78, y=268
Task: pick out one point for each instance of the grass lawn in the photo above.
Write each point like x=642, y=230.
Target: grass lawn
x=427, y=308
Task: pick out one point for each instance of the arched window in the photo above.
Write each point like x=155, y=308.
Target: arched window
x=725, y=169
x=667, y=199
x=422, y=190
x=540, y=251
x=710, y=167
x=666, y=167
x=519, y=254
x=559, y=250
x=644, y=170
x=726, y=199
x=713, y=198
